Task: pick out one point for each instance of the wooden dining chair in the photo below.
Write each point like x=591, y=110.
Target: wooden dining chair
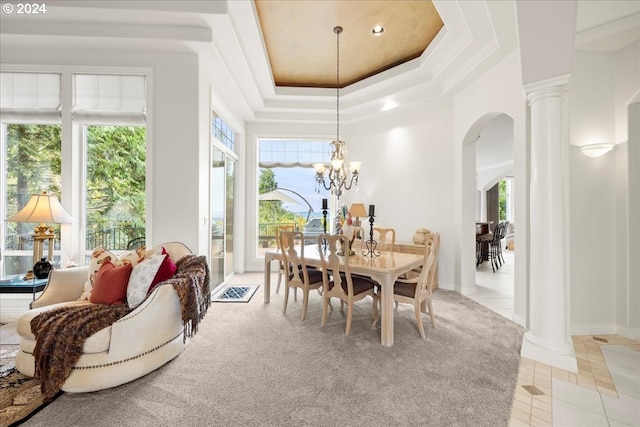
x=417, y=291
x=386, y=238
x=279, y=230
x=342, y=285
x=297, y=275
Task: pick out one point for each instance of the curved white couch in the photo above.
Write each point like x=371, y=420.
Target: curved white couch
x=135, y=345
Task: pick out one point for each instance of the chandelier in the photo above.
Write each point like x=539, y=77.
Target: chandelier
x=339, y=178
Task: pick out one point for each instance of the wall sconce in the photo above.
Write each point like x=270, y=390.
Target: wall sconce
x=596, y=150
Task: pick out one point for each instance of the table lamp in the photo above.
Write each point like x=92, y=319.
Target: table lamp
x=42, y=208
x=357, y=211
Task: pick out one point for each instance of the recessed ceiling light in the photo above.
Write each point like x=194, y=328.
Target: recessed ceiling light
x=377, y=30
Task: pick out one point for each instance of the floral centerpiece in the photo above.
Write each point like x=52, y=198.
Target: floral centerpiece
x=348, y=230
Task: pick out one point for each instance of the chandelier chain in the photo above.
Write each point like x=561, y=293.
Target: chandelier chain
x=340, y=175
x=337, y=30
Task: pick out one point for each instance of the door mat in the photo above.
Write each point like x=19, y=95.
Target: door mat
x=234, y=293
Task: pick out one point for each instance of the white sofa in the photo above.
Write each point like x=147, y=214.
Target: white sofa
x=142, y=341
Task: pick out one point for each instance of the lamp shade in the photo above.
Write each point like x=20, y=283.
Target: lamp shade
x=357, y=210
x=42, y=208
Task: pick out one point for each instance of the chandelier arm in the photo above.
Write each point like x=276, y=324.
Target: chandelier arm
x=324, y=184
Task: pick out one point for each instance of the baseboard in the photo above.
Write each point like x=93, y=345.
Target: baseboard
x=535, y=349
x=631, y=333
x=594, y=329
x=606, y=329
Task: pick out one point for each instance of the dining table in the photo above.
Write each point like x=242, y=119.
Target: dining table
x=384, y=269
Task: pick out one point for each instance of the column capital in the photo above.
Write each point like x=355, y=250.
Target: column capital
x=555, y=86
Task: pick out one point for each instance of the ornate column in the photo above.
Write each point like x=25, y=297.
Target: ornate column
x=548, y=339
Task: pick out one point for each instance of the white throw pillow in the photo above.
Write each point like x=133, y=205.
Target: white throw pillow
x=141, y=278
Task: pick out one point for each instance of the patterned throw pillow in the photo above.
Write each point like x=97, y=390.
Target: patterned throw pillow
x=141, y=278
x=110, y=286
x=98, y=256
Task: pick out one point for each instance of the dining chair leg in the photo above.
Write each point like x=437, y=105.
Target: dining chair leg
x=433, y=318
x=286, y=299
x=325, y=306
x=305, y=302
x=279, y=280
x=419, y=319
x=349, y=317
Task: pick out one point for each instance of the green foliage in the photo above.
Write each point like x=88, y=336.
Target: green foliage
x=33, y=165
x=502, y=194
x=116, y=174
x=116, y=171
x=271, y=211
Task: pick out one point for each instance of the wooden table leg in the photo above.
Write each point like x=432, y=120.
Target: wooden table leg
x=267, y=280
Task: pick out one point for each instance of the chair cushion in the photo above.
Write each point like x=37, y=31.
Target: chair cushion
x=315, y=276
x=360, y=284
x=405, y=289
x=23, y=327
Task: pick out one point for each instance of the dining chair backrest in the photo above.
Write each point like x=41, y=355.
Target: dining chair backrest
x=503, y=230
x=335, y=265
x=386, y=238
x=292, y=246
x=279, y=230
x=434, y=249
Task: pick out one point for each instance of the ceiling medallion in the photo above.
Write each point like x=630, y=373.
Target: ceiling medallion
x=340, y=179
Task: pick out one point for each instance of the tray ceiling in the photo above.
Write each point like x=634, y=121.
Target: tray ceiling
x=301, y=43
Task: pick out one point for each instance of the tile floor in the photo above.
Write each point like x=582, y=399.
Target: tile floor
x=605, y=391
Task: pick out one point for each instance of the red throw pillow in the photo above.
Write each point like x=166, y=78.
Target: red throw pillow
x=111, y=282
x=166, y=271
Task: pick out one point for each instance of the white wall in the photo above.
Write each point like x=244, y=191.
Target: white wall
x=499, y=91
x=601, y=86
x=407, y=164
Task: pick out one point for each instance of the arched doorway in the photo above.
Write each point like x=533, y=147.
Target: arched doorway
x=489, y=145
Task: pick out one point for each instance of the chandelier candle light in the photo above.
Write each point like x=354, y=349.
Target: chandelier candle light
x=340, y=179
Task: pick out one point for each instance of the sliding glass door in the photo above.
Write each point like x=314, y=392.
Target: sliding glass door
x=222, y=208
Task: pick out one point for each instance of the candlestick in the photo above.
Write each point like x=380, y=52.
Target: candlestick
x=371, y=244
x=324, y=204
x=372, y=210
x=324, y=220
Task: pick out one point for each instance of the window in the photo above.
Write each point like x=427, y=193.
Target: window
x=32, y=164
x=286, y=165
x=115, y=193
x=104, y=130
x=223, y=133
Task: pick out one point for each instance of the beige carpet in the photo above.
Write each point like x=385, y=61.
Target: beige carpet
x=250, y=365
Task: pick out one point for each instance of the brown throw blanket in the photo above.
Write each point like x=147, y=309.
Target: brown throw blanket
x=61, y=333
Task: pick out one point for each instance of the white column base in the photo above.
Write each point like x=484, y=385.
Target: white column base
x=520, y=320
x=536, y=349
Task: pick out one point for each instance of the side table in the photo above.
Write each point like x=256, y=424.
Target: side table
x=19, y=286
